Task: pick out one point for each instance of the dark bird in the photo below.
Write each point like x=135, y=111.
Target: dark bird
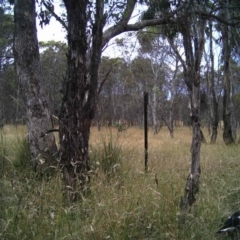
x=231, y=225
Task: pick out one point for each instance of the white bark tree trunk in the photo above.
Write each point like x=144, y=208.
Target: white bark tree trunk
x=27, y=60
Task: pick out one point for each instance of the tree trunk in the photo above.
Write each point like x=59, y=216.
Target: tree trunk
x=213, y=98
x=80, y=94
x=228, y=135
x=154, y=110
x=172, y=101
x=193, y=54
x=26, y=53
x=192, y=185
x=169, y=122
x=191, y=68
x=171, y=127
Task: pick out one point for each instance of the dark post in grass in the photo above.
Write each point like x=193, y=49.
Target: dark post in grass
x=146, y=130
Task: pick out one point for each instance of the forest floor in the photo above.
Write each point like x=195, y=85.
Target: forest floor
x=124, y=202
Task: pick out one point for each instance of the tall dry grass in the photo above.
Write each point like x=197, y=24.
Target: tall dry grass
x=124, y=202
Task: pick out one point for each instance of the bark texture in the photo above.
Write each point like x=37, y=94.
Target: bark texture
x=193, y=53
x=228, y=119
x=80, y=95
x=191, y=66
x=26, y=53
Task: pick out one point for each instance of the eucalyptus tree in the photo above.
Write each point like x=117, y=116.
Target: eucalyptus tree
x=32, y=83
x=227, y=33
x=235, y=71
x=172, y=87
x=223, y=25
x=211, y=78
x=192, y=31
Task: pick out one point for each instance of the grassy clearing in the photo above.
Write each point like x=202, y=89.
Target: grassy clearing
x=124, y=203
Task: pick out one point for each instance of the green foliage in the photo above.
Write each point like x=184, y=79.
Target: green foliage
x=169, y=31
x=146, y=38
x=156, y=8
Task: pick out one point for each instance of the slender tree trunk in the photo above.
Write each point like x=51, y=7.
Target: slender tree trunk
x=192, y=185
x=33, y=87
x=213, y=98
x=1, y=107
x=171, y=128
x=154, y=111
x=98, y=116
x=169, y=122
x=79, y=101
x=172, y=101
x=228, y=134
x=193, y=55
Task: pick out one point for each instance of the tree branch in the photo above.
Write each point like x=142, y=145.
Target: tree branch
x=177, y=53
x=103, y=81
x=122, y=25
x=217, y=18
x=51, y=10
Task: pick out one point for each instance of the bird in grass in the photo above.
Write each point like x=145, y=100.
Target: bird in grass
x=231, y=225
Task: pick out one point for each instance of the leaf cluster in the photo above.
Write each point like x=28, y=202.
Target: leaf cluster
x=156, y=7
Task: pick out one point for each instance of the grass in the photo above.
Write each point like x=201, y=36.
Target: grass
x=125, y=202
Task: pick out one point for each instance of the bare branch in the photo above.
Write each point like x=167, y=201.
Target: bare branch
x=177, y=53
x=51, y=10
x=123, y=26
x=217, y=18
x=104, y=80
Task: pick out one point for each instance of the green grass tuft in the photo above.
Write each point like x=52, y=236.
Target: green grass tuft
x=108, y=156
x=22, y=154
